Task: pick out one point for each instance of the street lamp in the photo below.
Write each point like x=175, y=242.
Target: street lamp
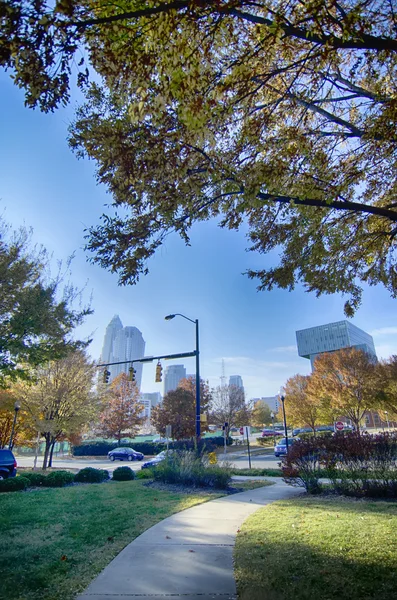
x=168, y=318
x=387, y=419
x=282, y=398
x=274, y=432
x=17, y=406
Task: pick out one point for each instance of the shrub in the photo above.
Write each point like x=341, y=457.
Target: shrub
x=91, y=475
x=357, y=465
x=14, y=484
x=265, y=441
x=189, y=468
x=102, y=448
x=144, y=474
x=35, y=479
x=58, y=479
x=123, y=474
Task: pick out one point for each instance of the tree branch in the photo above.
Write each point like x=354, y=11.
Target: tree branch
x=380, y=211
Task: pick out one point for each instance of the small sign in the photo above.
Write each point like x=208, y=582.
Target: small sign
x=339, y=426
x=168, y=431
x=246, y=431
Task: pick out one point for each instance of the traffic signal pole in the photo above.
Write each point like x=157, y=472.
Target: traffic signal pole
x=149, y=359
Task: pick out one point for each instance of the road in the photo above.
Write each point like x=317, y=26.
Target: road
x=239, y=462
x=79, y=463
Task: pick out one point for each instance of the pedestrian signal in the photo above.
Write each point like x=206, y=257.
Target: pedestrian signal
x=159, y=372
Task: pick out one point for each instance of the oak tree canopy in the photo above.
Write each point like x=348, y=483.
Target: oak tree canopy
x=280, y=115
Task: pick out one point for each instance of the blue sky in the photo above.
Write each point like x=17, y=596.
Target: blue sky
x=44, y=186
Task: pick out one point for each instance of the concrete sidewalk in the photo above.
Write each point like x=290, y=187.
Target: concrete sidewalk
x=188, y=555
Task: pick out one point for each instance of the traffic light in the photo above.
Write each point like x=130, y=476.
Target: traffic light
x=131, y=376
x=159, y=372
x=106, y=376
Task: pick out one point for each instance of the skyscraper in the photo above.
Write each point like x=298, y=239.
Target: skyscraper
x=123, y=344
x=236, y=380
x=172, y=377
x=331, y=337
x=112, y=330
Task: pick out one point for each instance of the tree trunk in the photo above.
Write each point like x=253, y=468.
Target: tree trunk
x=47, y=450
x=36, y=452
x=53, y=442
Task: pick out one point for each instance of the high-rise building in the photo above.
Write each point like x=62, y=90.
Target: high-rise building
x=273, y=402
x=236, y=380
x=331, y=337
x=123, y=344
x=172, y=377
x=112, y=330
x=149, y=401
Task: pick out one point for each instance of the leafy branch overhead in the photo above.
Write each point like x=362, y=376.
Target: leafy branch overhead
x=281, y=115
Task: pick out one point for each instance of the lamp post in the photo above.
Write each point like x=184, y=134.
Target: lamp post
x=168, y=318
x=387, y=419
x=17, y=406
x=274, y=432
x=282, y=398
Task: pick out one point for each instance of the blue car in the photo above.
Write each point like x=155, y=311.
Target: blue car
x=125, y=454
x=8, y=464
x=280, y=449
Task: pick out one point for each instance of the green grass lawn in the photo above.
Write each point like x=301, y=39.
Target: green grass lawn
x=318, y=549
x=258, y=472
x=53, y=542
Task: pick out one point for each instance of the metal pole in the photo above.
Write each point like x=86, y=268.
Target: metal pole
x=198, y=429
x=248, y=447
x=282, y=398
x=274, y=431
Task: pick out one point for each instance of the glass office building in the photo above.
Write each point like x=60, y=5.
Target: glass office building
x=333, y=336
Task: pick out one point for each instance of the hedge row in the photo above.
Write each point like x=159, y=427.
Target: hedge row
x=355, y=464
x=63, y=478
x=102, y=448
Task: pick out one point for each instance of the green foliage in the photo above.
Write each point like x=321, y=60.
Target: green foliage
x=123, y=474
x=91, y=475
x=35, y=479
x=14, y=484
x=35, y=323
x=279, y=115
x=58, y=479
x=144, y=474
x=258, y=472
x=192, y=469
x=148, y=448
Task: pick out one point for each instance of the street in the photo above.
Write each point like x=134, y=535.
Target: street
x=80, y=463
x=237, y=461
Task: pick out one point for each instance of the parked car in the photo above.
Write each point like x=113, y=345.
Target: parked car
x=280, y=449
x=156, y=460
x=299, y=430
x=8, y=464
x=125, y=454
x=270, y=432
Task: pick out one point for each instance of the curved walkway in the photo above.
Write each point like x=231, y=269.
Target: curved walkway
x=188, y=556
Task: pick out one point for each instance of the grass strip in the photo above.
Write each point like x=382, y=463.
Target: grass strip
x=53, y=542
x=258, y=472
x=318, y=548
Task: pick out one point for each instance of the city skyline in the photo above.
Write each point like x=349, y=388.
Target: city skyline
x=254, y=332
x=123, y=344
